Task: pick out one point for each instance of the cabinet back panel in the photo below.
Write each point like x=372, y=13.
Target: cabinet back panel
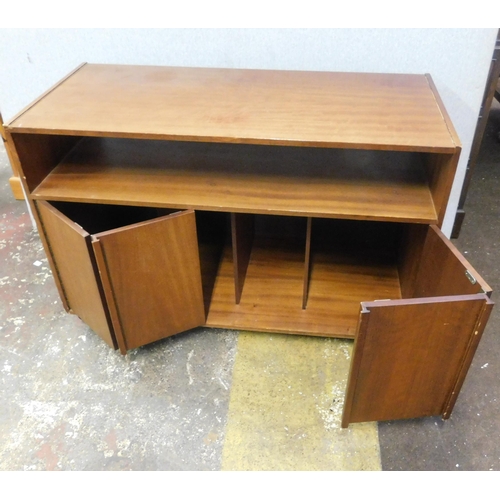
x=356, y=237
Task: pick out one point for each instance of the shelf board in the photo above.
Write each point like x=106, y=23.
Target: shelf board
x=296, y=108
x=272, y=293
x=317, y=182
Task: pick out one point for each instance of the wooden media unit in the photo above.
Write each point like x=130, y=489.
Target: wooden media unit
x=284, y=201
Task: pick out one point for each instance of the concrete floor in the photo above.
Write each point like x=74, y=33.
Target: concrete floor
x=219, y=399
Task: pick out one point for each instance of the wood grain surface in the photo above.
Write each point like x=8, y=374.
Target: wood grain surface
x=15, y=179
x=442, y=270
x=154, y=277
x=242, y=233
x=409, y=356
x=110, y=151
x=212, y=229
x=39, y=154
x=307, y=263
x=76, y=268
x=441, y=171
x=410, y=252
x=359, y=110
x=272, y=297
x=320, y=182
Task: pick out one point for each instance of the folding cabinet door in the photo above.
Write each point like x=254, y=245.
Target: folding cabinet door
x=411, y=356
x=73, y=261
x=151, y=278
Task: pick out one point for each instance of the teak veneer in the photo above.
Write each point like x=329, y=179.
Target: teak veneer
x=283, y=201
x=354, y=184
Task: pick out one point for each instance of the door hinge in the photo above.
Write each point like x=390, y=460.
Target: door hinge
x=470, y=277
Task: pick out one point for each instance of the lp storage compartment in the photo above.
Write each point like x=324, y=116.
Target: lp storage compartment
x=283, y=201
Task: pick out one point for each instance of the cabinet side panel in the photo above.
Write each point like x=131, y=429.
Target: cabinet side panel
x=154, y=274
x=15, y=180
x=411, y=357
x=441, y=169
x=75, y=267
x=410, y=255
x=39, y=154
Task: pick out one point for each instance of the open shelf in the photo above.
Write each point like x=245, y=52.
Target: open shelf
x=316, y=182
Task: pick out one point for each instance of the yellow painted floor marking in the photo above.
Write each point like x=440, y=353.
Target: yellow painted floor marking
x=286, y=405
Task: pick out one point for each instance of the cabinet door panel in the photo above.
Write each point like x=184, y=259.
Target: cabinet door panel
x=74, y=262
x=411, y=356
x=151, y=277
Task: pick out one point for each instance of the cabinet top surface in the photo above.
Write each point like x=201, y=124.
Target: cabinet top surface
x=355, y=110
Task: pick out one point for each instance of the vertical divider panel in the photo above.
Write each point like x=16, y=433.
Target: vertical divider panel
x=307, y=263
x=242, y=234
x=212, y=230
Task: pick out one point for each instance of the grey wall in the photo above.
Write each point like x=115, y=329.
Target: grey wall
x=458, y=60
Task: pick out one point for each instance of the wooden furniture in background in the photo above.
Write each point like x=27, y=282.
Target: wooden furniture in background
x=282, y=201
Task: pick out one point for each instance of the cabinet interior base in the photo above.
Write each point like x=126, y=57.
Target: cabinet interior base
x=272, y=293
